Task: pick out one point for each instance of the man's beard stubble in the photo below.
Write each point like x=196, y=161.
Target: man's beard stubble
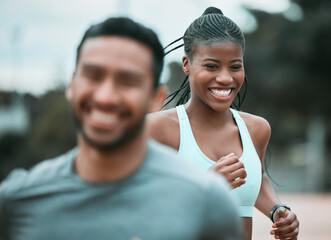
x=128, y=135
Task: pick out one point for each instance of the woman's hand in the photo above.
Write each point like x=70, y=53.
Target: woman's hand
x=232, y=169
x=286, y=224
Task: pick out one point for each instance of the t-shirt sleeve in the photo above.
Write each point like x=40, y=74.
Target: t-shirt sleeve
x=221, y=216
x=7, y=190
x=3, y=225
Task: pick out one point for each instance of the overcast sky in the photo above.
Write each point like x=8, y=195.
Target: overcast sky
x=38, y=38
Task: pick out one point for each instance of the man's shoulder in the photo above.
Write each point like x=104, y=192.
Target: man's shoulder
x=43, y=173
x=166, y=163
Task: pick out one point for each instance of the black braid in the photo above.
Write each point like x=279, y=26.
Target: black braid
x=172, y=43
x=184, y=87
x=211, y=10
x=179, y=46
x=239, y=99
x=209, y=28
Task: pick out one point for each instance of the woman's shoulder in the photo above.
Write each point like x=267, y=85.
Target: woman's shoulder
x=258, y=128
x=163, y=126
x=162, y=118
x=255, y=122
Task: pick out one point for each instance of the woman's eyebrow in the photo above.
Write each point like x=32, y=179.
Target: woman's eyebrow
x=210, y=59
x=217, y=61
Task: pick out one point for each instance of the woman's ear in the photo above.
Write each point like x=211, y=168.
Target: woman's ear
x=186, y=65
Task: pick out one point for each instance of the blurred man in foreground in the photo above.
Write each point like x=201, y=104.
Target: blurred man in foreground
x=116, y=184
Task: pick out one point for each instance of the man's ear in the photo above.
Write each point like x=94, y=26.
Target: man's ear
x=158, y=99
x=186, y=65
x=69, y=90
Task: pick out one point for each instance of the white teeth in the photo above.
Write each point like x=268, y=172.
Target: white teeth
x=221, y=92
x=105, y=118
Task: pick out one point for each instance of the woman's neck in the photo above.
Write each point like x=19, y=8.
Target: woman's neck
x=203, y=115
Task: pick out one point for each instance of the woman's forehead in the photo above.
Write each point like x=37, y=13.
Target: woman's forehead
x=218, y=48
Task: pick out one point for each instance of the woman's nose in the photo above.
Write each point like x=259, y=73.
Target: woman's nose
x=224, y=77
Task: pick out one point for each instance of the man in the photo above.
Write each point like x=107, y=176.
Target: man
x=116, y=184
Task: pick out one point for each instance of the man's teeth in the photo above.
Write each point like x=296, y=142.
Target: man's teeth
x=106, y=118
x=221, y=92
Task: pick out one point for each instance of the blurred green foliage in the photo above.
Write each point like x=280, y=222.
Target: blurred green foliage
x=288, y=67
x=50, y=133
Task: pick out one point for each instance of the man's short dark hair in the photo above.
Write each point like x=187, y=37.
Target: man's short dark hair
x=125, y=27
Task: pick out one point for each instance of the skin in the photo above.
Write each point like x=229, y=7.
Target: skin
x=214, y=68
x=111, y=92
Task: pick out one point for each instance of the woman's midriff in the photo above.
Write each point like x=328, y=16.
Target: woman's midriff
x=248, y=225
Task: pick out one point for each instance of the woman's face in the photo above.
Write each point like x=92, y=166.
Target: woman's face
x=216, y=74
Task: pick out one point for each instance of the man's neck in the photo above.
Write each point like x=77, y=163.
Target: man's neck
x=96, y=165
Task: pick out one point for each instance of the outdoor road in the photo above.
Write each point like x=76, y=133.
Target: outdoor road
x=313, y=211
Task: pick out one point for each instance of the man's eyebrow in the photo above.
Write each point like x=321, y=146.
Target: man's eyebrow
x=124, y=72
x=131, y=73
x=91, y=66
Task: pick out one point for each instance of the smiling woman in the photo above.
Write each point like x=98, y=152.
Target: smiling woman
x=209, y=132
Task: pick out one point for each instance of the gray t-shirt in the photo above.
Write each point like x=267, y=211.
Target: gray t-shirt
x=165, y=198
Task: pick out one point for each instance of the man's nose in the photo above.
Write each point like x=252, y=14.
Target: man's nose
x=106, y=93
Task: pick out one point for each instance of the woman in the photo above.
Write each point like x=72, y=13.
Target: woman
x=210, y=133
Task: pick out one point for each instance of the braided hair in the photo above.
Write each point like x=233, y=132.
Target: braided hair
x=211, y=27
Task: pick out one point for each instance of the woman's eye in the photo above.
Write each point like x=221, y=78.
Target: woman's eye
x=236, y=67
x=210, y=66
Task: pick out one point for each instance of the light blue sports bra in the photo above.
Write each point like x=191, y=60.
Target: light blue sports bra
x=248, y=192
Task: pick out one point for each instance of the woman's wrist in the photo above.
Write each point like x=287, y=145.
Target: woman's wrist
x=274, y=209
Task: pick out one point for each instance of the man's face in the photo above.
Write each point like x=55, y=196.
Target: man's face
x=111, y=90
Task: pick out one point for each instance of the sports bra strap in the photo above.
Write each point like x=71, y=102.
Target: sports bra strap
x=181, y=112
x=244, y=133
